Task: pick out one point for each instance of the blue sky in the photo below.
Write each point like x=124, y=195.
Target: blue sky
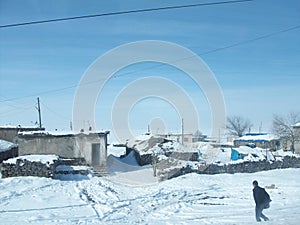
x=258, y=79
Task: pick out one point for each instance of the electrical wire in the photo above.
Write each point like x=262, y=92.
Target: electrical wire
x=155, y=66
x=121, y=13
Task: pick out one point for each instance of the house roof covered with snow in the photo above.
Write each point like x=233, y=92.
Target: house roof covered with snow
x=147, y=143
x=296, y=125
x=19, y=127
x=6, y=145
x=257, y=137
x=59, y=133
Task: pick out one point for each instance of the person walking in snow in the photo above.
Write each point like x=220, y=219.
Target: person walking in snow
x=262, y=201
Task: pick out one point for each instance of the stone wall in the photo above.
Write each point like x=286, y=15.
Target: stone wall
x=245, y=167
x=23, y=167
x=251, y=167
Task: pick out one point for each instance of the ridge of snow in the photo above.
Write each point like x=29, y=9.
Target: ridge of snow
x=45, y=159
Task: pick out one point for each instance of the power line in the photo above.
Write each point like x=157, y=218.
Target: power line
x=121, y=13
x=156, y=66
x=55, y=112
x=252, y=40
x=221, y=48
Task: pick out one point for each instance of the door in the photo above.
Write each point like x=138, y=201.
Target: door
x=95, y=154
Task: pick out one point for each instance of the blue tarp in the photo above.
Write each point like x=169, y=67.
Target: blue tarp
x=235, y=155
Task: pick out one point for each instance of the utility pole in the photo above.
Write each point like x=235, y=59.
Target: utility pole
x=148, y=129
x=39, y=111
x=260, y=127
x=182, y=132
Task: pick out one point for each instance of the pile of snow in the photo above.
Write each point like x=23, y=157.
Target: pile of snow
x=44, y=159
x=6, y=145
x=282, y=153
x=116, y=150
x=127, y=171
x=208, y=153
x=116, y=164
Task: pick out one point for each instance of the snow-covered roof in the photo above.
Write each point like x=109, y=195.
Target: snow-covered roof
x=60, y=133
x=148, y=143
x=45, y=159
x=257, y=137
x=6, y=145
x=297, y=124
x=19, y=127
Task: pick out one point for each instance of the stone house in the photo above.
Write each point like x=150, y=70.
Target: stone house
x=10, y=133
x=91, y=146
x=260, y=140
x=188, y=138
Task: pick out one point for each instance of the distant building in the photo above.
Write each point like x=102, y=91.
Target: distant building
x=261, y=140
x=9, y=133
x=91, y=146
x=296, y=130
x=187, y=138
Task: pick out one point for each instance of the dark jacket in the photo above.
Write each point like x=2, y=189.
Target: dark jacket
x=261, y=197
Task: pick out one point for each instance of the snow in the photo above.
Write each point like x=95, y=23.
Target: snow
x=45, y=159
x=17, y=126
x=283, y=153
x=223, y=199
x=116, y=151
x=127, y=171
x=6, y=145
x=59, y=133
x=148, y=144
x=71, y=168
x=297, y=124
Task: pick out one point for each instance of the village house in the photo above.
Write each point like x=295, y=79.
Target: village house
x=188, y=138
x=296, y=130
x=10, y=133
x=260, y=140
x=91, y=146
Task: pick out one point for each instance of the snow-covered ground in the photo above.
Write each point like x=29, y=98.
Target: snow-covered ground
x=189, y=199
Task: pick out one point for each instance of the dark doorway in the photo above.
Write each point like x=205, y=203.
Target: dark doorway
x=95, y=154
